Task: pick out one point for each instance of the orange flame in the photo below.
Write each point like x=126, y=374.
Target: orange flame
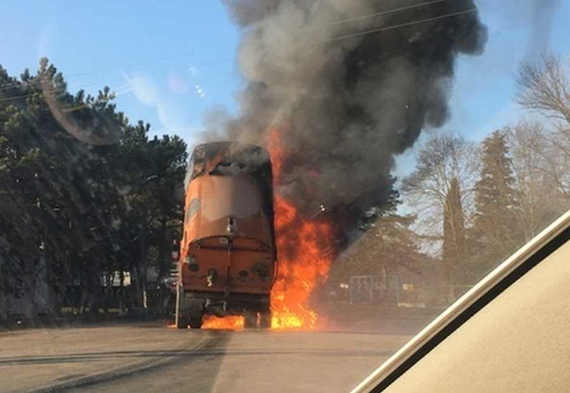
x=232, y=322
x=303, y=260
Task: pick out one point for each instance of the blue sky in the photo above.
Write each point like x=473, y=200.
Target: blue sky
x=170, y=61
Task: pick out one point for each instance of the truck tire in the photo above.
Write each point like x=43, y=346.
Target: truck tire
x=196, y=313
x=249, y=320
x=265, y=320
x=180, y=317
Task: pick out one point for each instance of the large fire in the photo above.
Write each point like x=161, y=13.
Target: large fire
x=304, y=253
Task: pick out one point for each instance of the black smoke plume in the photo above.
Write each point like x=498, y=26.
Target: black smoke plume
x=349, y=84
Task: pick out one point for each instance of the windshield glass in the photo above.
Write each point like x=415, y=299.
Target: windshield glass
x=391, y=153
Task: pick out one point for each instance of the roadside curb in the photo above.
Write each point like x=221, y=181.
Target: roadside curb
x=118, y=372
x=58, y=323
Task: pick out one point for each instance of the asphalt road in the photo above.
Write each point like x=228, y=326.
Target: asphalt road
x=150, y=357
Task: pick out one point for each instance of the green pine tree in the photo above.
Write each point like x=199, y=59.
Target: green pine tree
x=495, y=234
x=69, y=196
x=454, y=235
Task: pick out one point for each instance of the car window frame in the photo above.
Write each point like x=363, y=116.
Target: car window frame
x=455, y=315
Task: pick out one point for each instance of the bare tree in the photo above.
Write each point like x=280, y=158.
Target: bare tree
x=544, y=86
x=442, y=159
x=440, y=192
x=539, y=165
x=558, y=157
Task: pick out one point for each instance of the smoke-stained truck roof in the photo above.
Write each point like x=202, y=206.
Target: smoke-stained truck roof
x=228, y=158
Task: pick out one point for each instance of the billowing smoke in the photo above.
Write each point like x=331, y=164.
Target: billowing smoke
x=349, y=84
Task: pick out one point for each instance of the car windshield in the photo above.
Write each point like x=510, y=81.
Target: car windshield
x=387, y=154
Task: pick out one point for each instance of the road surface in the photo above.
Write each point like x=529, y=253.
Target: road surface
x=150, y=357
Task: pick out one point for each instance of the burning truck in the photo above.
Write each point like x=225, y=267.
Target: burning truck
x=227, y=263
x=335, y=90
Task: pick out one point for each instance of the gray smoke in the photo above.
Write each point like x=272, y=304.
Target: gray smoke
x=349, y=84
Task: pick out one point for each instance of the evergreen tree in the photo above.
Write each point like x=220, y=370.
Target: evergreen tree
x=454, y=236
x=388, y=244
x=71, y=195
x=495, y=234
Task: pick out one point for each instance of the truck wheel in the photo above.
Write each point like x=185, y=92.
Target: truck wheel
x=196, y=314
x=265, y=320
x=181, y=321
x=196, y=322
x=249, y=320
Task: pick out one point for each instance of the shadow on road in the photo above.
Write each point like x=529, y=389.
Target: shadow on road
x=192, y=370
x=177, y=355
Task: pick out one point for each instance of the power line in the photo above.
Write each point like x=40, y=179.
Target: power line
x=337, y=38
x=122, y=89
x=25, y=85
x=16, y=83
x=382, y=13
x=407, y=24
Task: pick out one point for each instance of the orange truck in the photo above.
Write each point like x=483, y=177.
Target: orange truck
x=227, y=262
